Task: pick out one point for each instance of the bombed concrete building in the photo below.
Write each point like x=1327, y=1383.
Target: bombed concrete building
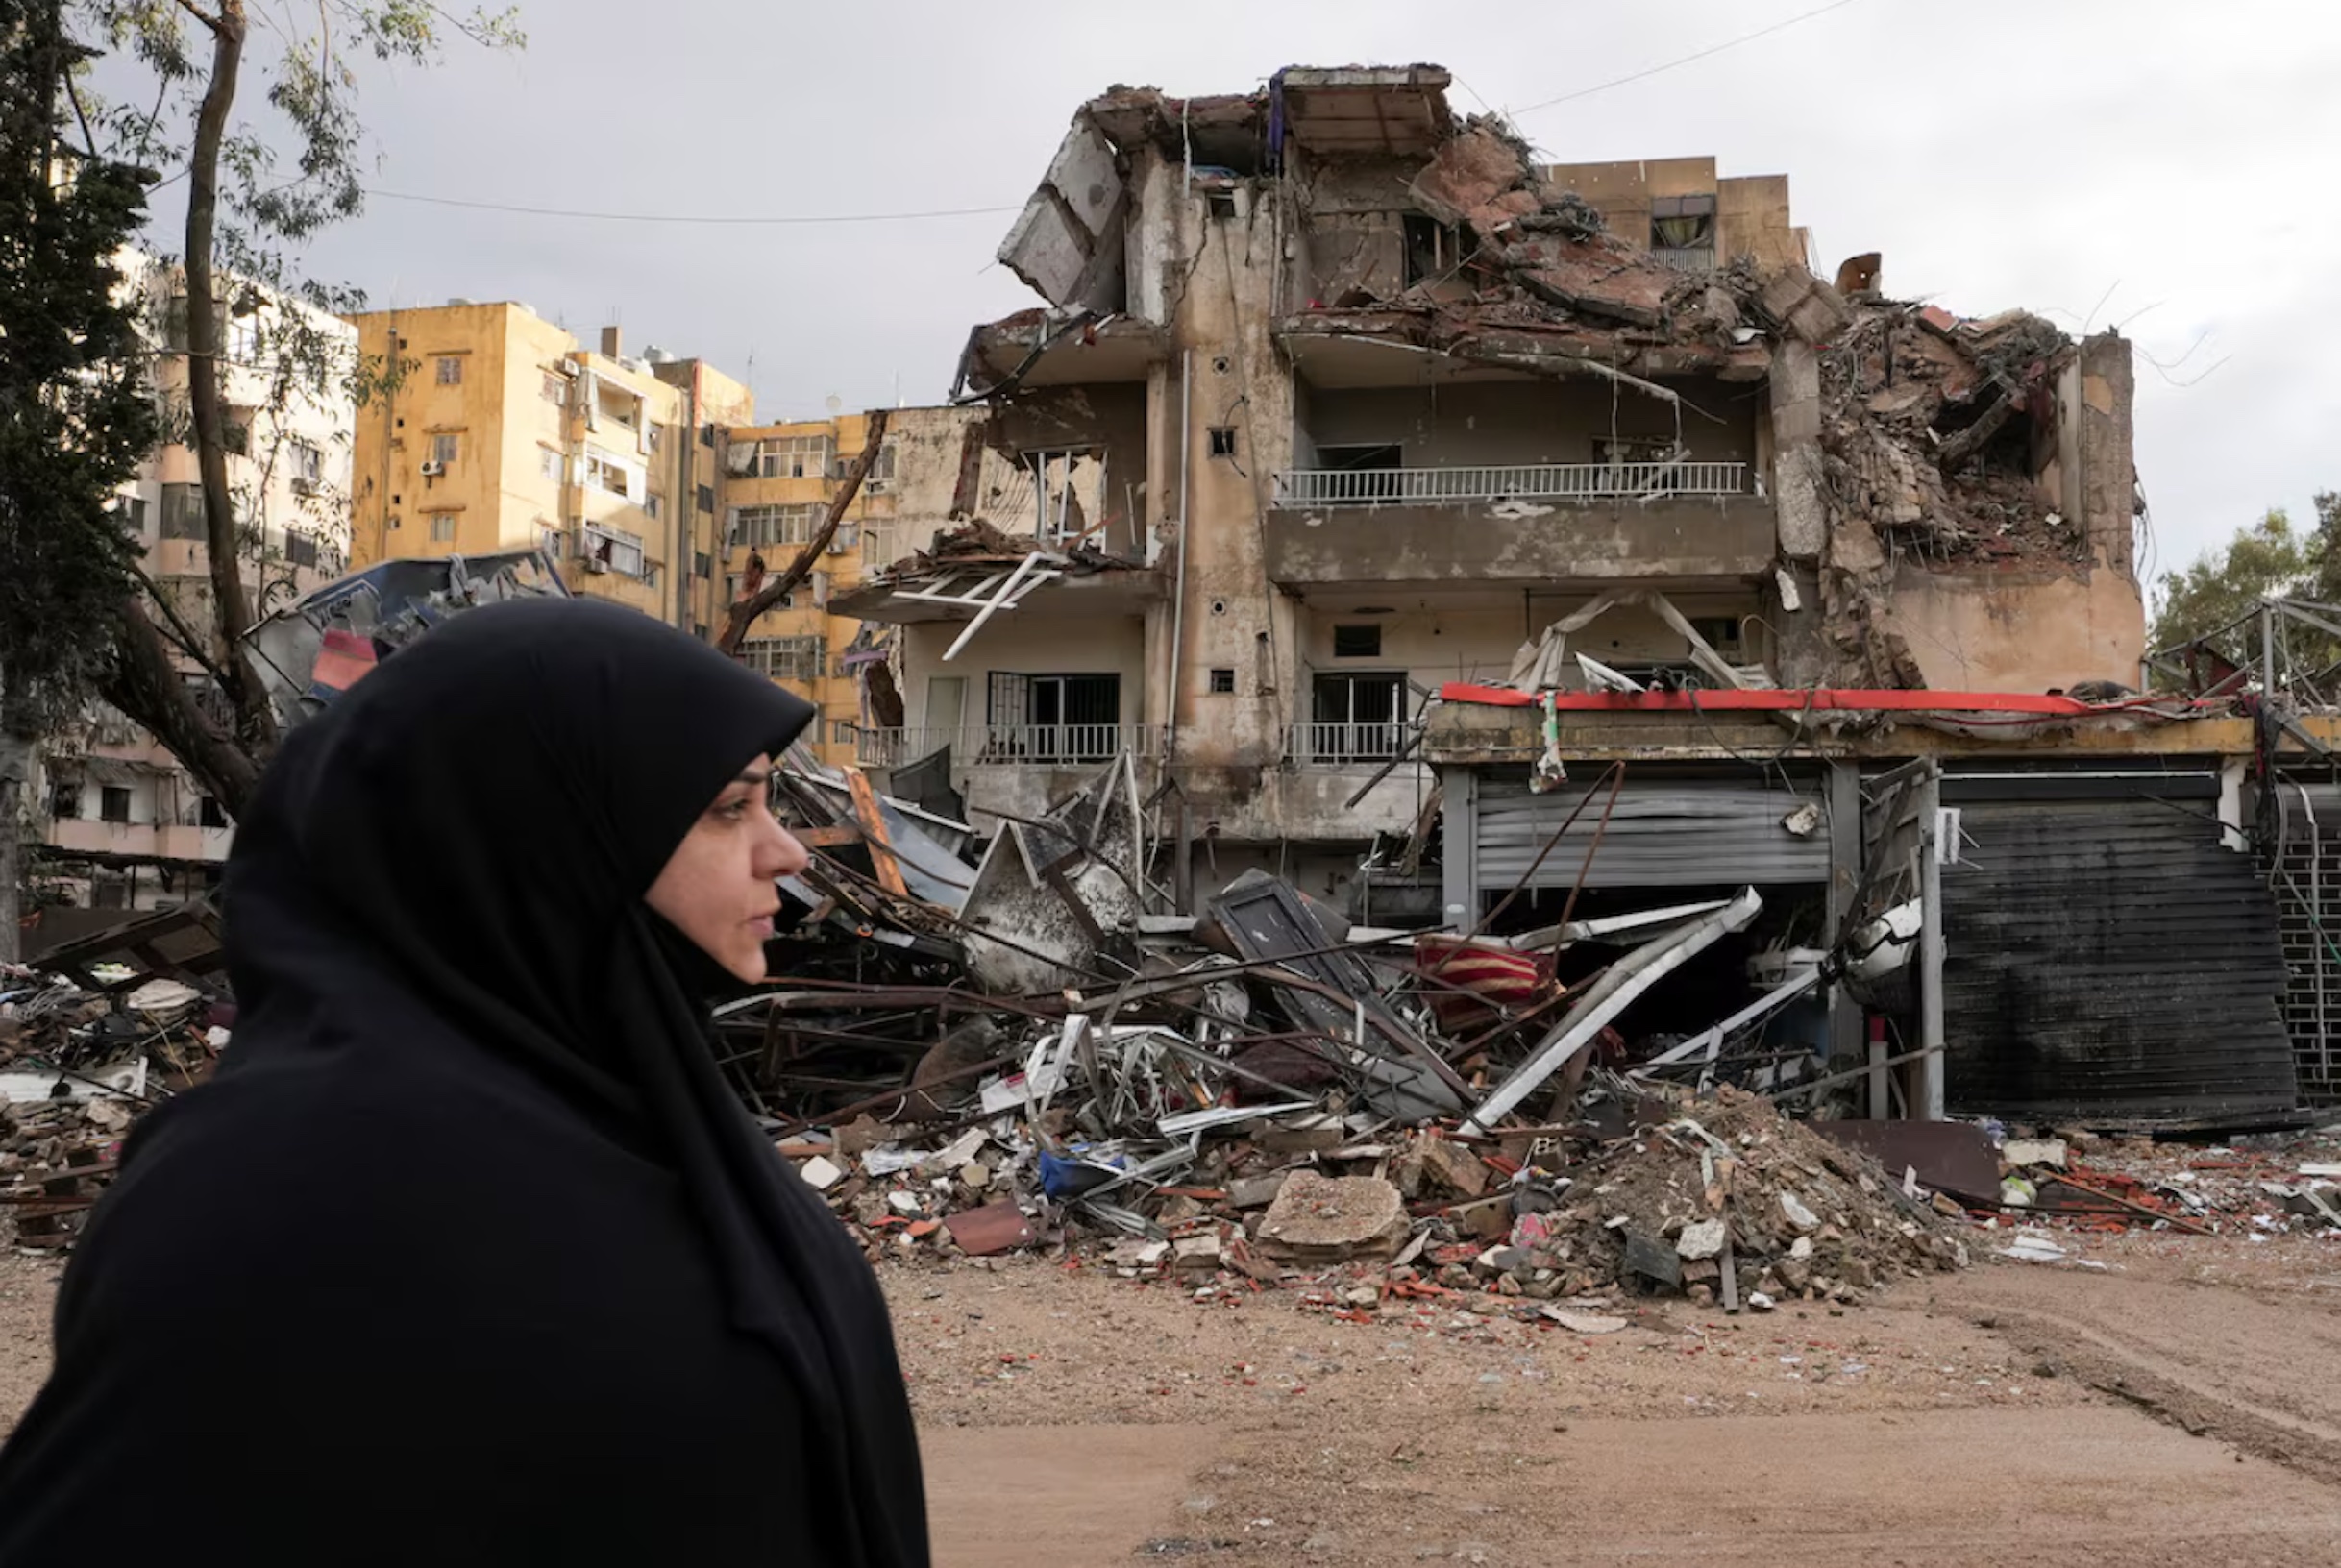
x=1336, y=396
x=1504, y=547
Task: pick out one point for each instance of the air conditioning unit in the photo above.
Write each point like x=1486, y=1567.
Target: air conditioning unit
x=875, y=488
x=303, y=487
x=431, y=470
x=838, y=544
x=596, y=564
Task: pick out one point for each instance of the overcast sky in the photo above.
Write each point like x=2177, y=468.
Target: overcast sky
x=2159, y=163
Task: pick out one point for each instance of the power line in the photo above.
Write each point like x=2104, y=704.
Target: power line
x=656, y=217
x=1712, y=49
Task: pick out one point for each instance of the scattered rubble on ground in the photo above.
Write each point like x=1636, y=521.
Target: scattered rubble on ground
x=76, y=1070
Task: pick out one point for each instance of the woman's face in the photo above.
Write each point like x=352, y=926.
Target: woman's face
x=717, y=888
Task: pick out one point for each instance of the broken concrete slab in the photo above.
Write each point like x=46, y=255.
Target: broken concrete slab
x=1804, y=307
x=1325, y=1219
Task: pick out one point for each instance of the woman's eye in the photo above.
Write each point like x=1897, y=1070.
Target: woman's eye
x=733, y=812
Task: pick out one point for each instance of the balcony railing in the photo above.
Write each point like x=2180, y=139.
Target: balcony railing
x=1542, y=481
x=1006, y=745
x=1685, y=257
x=1325, y=745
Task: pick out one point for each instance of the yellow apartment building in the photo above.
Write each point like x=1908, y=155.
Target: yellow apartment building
x=502, y=431
x=647, y=479
x=778, y=482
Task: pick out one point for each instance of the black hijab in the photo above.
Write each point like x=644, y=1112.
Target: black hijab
x=471, y=1167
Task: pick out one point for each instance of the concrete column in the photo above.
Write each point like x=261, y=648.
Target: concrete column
x=1796, y=451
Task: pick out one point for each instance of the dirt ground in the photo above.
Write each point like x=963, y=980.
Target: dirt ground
x=2184, y=1405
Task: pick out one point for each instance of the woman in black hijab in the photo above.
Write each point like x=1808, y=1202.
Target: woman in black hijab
x=468, y=1255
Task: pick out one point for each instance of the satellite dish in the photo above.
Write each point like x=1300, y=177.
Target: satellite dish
x=833, y=403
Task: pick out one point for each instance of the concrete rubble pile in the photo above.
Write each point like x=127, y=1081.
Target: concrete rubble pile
x=76, y=1070
x=2259, y=1186
x=1262, y=1095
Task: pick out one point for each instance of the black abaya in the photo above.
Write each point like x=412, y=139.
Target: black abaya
x=468, y=1255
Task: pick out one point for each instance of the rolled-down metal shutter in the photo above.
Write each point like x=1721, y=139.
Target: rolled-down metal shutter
x=2301, y=853
x=2108, y=961
x=1678, y=832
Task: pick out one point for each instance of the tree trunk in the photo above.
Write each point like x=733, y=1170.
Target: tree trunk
x=146, y=685
x=15, y=758
x=255, y=721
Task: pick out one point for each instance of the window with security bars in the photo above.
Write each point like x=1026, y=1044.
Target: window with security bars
x=764, y=527
x=1053, y=718
x=794, y=457
x=786, y=658
x=1356, y=718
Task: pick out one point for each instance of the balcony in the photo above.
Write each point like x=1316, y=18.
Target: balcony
x=1694, y=525
x=1008, y=745
x=1542, y=481
x=1341, y=745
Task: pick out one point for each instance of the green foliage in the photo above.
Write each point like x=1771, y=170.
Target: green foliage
x=75, y=415
x=2215, y=596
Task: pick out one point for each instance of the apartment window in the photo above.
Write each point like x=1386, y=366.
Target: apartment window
x=1054, y=718
x=786, y=658
x=300, y=549
x=235, y=434
x=1721, y=632
x=1682, y=232
x=650, y=434
x=703, y=566
x=183, y=511
x=881, y=468
x=1362, y=641
x=549, y=463
x=65, y=800
x=133, y=514
x=794, y=457
x=707, y=498
x=604, y=475
x=699, y=630
x=309, y=462
x=1356, y=718
x=241, y=332
x=612, y=550
x=706, y=435
x=1222, y=681
x=450, y=370
x=208, y=813
x=1222, y=440
x=651, y=504
x=555, y=389
x=1432, y=247
x=763, y=527
x=442, y=526
x=114, y=803
x=445, y=448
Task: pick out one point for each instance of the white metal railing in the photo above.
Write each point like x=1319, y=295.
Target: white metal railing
x=1324, y=745
x=1002, y=745
x=1539, y=481
x=1685, y=257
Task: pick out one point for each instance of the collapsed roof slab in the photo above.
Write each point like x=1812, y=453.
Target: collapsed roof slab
x=1353, y=111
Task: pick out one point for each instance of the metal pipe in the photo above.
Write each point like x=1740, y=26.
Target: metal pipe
x=1178, y=603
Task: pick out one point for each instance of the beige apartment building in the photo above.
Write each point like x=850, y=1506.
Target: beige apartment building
x=1337, y=398
x=116, y=822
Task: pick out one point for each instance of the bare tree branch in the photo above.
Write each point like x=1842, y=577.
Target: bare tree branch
x=745, y=613
x=179, y=631
x=212, y=22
